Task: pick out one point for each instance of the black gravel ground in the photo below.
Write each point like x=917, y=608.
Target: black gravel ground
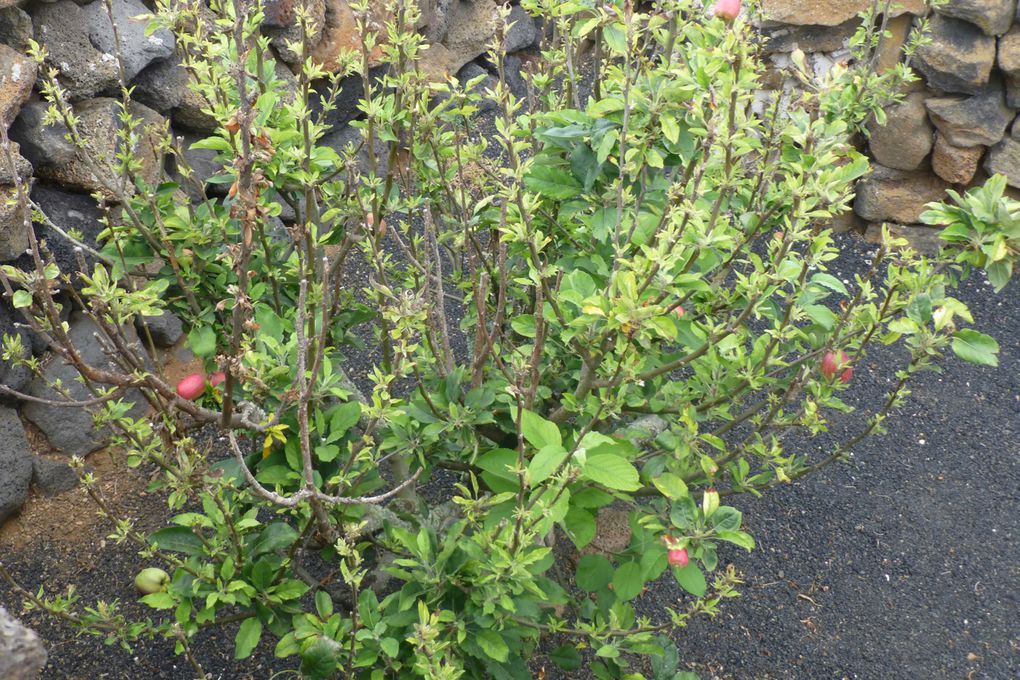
x=902, y=563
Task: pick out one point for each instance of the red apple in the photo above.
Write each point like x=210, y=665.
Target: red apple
x=833, y=362
x=677, y=558
x=727, y=10
x=191, y=386
x=217, y=377
x=679, y=311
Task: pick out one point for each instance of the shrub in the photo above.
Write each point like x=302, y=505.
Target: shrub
x=617, y=295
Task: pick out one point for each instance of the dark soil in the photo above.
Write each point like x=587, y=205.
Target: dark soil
x=904, y=561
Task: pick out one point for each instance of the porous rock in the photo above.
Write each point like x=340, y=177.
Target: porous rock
x=971, y=121
x=53, y=477
x=959, y=57
x=827, y=13
x=17, y=76
x=955, y=164
x=283, y=28
x=471, y=27
x=72, y=212
x=135, y=49
x=906, y=138
x=890, y=49
x=165, y=329
x=341, y=35
x=1013, y=92
x=520, y=32
x=16, y=169
x=98, y=123
x=71, y=430
x=13, y=376
x=1009, y=52
x=344, y=138
x=786, y=38
x=473, y=70
x=22, y=655
x=921, y=238
x=15, y=467
x=1004, y=159
x=15, y=28
x=991, y=16
x=13, y=231
x=203, y=166
x=161, y=84
x=892, y=195
x=41, y=144
x=82, y=70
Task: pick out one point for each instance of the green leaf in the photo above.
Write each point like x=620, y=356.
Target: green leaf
x=594, y=572
x=726, y=517
x=551, y=182
x=290, y=589
x=343, y=418
x=545, y=462
x=821, y=315
x=269, y=323
x=566, y=657
x=669, y=128
x=495, y=466
x=584, y=165
x=160, y=600
x=691, y=579
x=22, y=299
x=670, y=485
x=524, y=325
x=177, y=539
x=615, y=35
x=319, y=660
x=390, y=647
x=580, y=526
x=275, y=536
x=612, y=471
x=327, y=453
x=202, y=340
x=628, y=581
x=323, y=604
x=493, y=645
x=538, y=431
x=248, y=636
x=740, y=538
x=829, y=281
x=975, y=347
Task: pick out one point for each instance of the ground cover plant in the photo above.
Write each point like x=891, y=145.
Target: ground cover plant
x=621, y=298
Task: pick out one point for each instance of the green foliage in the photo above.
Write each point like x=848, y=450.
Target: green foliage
x=642, y=276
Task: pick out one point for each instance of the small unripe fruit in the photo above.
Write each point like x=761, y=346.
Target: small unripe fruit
x=727, y=10
x=151, y=580
x=217, y=377
x=832, y=363
x=191, y=386
x=679, y=311
x=677, y=557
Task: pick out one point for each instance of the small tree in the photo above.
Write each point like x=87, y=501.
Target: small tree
x=619, y=296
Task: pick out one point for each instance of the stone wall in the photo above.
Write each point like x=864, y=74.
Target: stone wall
x=954, y=128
